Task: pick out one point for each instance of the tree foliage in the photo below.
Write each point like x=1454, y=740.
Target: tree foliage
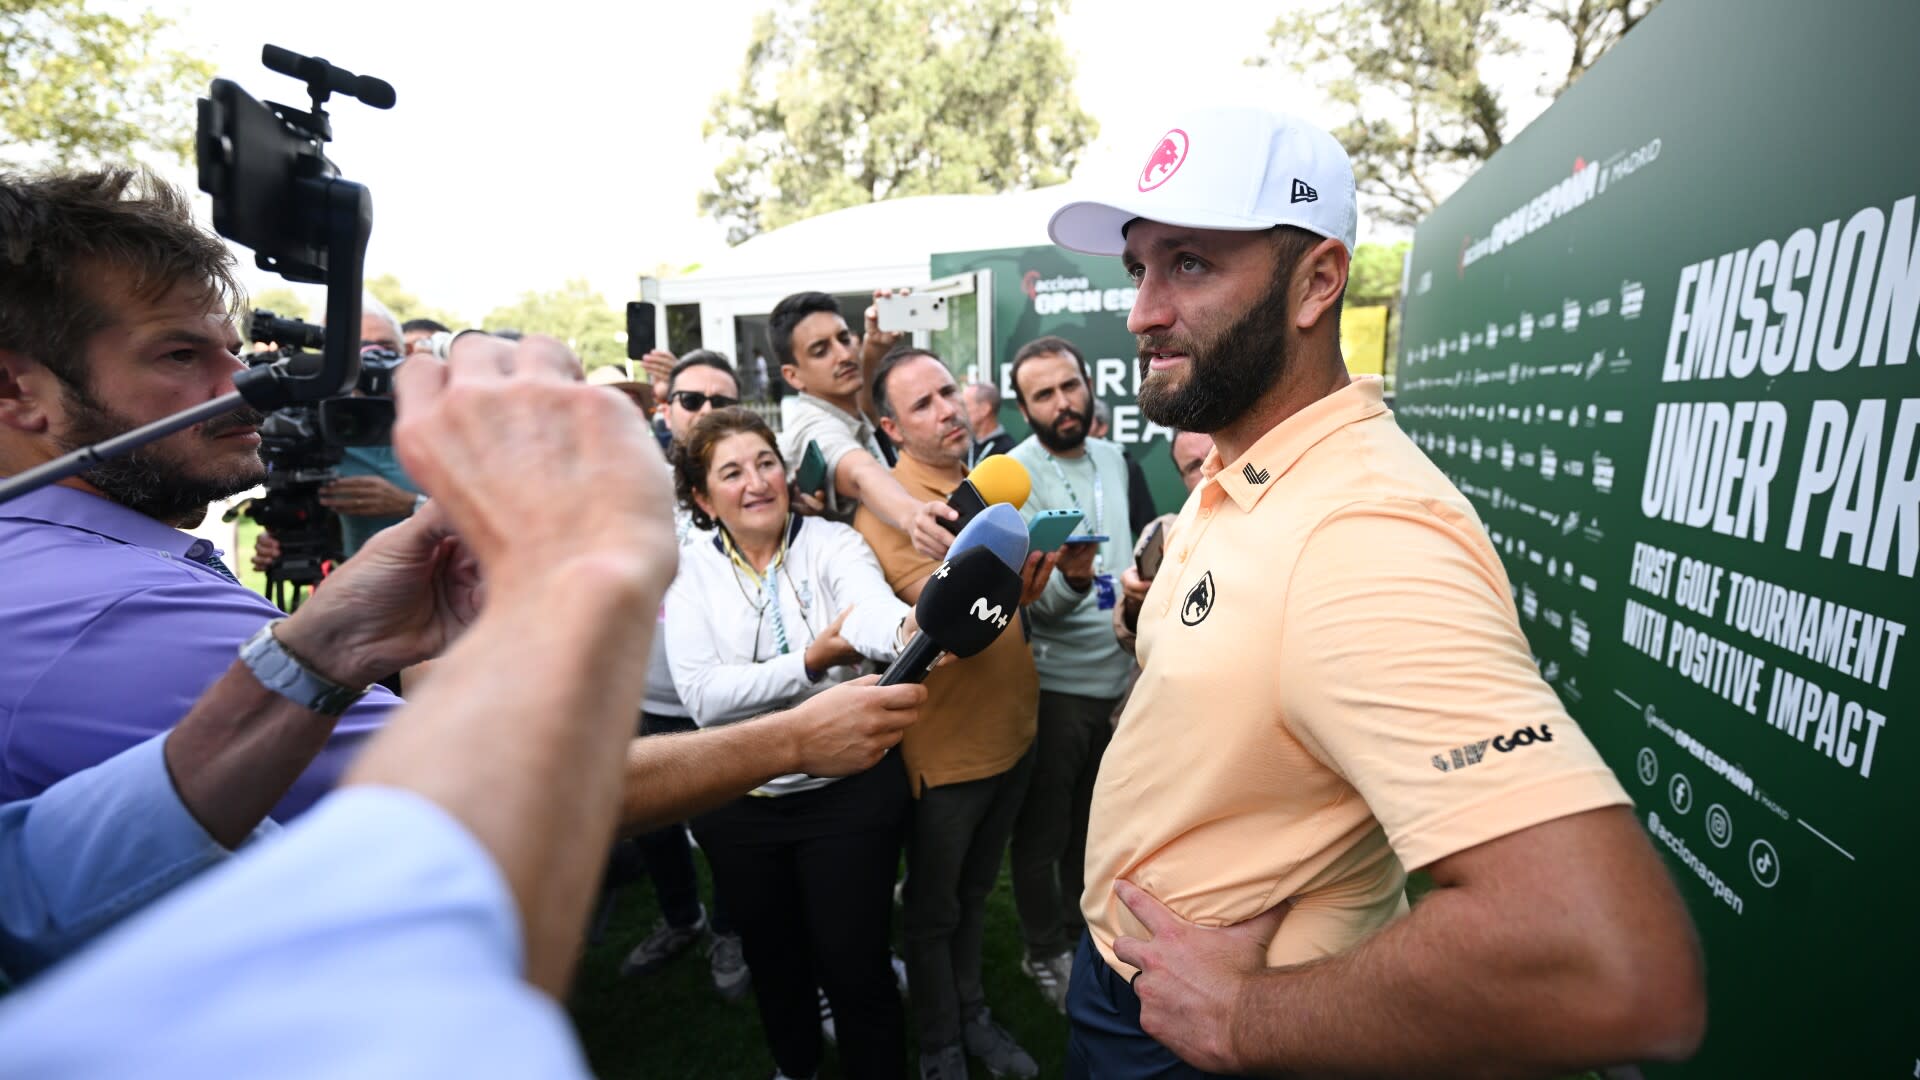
x=1419, y=117
x=844, y=102
x=1374, y=275
x=575, y=314
x=387, y=289
x=80, y=85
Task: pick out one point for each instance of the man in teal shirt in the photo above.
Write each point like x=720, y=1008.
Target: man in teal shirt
x=373, y=492
x=1082, y=668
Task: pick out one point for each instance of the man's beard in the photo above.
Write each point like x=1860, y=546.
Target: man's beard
x=1225, y=377
x=1051, y=437
x=153, y=481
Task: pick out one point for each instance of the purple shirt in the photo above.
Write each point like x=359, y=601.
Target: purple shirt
x=109, y=633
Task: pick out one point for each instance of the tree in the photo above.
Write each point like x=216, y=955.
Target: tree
x=79, y=85
x=387, y=289
x=1407, y=73
x=1373, y=277
x=845, y=102
x=575, y=314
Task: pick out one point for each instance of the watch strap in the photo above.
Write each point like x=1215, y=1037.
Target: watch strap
x=285, y=674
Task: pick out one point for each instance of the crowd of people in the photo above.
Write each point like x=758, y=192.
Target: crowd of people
x=1209, y=770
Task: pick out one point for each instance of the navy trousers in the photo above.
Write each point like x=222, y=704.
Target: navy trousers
x=1106, y=1042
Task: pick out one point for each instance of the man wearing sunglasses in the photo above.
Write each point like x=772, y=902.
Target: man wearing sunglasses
x=701, y=380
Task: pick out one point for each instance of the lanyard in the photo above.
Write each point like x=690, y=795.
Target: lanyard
x=768, y=585
x=1096, y=524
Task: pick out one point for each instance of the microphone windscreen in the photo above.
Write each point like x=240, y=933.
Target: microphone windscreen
x=1000, y=479
x=1000, y=529
x=968, y=601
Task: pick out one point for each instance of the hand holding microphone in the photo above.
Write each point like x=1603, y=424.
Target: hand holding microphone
x=997, y=479
x=971, y=598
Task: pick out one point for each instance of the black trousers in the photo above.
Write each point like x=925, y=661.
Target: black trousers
x=1050, y=835
x=669, y=857
x=809, y=885
x=955, y=844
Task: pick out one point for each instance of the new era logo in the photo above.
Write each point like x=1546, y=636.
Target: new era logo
x=1304, y=193
x=1255, y=478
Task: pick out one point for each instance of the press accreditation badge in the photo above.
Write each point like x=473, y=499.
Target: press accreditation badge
x=1106, y=592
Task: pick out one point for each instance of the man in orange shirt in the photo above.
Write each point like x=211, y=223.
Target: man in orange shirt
x=1335, y=690
x=969, y=759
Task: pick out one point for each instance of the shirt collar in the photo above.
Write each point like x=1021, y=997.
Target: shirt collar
x=1288, y=441
x=914, y=474
x=857, y=423
x=57, y=504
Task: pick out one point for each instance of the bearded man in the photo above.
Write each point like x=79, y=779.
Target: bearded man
x=114, y=312
x=1082, y=669
x=1329, y=624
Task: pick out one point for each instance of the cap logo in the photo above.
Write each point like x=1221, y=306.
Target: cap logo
x=1166, y=159
x=1304, y=193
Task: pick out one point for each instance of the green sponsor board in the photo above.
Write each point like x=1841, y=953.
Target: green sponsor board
x=1041, y=291
x=1666, y=343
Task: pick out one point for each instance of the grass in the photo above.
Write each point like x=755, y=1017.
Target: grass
x=671, y=1025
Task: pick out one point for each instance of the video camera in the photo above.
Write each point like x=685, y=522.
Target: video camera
x=275, y=190
x=302, y=445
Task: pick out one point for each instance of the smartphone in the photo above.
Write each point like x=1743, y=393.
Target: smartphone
x=640, y=337
x=812, y=474
x=911, y=312
x=1087, y=538
x=1050, y=528
x=1153, y=549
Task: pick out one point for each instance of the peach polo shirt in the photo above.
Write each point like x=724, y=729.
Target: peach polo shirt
x=1335, y=688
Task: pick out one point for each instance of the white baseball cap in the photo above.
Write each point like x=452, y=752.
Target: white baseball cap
x=1221, y=168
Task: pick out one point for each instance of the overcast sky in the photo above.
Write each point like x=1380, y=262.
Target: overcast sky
x=562, y=138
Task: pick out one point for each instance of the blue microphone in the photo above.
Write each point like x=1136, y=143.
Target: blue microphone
x=971, y=598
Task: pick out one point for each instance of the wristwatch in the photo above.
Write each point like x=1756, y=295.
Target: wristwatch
x=287, y=675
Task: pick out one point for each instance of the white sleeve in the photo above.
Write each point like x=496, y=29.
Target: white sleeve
x=715, y=688
x=852, y=575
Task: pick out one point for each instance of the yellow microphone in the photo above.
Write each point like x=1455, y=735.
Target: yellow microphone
x=997, y=479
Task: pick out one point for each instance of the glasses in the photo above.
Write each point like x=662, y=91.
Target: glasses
x=694, y=400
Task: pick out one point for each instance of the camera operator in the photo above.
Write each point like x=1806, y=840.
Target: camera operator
x=113, y=313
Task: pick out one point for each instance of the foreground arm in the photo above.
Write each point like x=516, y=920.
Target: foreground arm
x=1561, y=947
x=860, y=477
x=521, y=760
x=837, y=732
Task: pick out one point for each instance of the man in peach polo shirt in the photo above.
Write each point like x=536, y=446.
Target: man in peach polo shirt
x=1335, y=690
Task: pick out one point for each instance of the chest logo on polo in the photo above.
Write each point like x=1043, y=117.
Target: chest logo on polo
x=1199, y=601
x=1255, y=477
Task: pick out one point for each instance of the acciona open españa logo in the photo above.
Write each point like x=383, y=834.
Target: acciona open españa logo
x=1167, y=157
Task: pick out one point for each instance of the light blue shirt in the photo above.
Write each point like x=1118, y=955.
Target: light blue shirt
x=90, y=850
x=374, y=938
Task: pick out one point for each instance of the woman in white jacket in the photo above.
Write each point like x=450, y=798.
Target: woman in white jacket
x=773, y=609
